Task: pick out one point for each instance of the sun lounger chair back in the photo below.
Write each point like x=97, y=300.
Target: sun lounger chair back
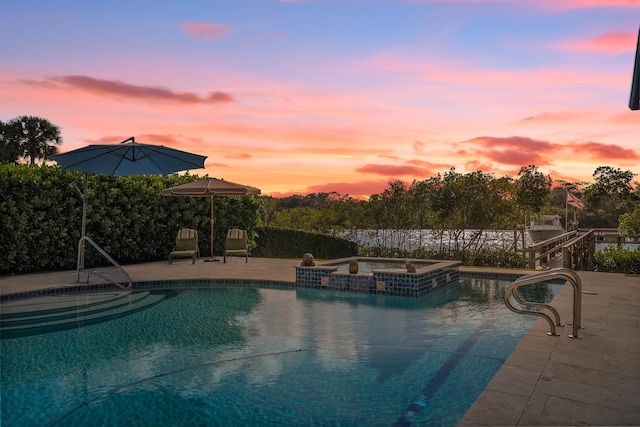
x=186, y=245
x=236, y=244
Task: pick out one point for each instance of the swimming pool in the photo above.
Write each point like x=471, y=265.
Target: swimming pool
x=247, y=355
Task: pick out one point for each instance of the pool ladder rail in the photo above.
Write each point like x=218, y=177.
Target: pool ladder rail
x=537, y=309
x=80, y=270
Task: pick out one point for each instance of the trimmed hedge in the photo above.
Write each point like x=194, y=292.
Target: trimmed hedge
x=41, y=217
x=272, y=242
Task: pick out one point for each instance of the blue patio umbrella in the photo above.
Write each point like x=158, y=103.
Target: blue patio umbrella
x=123, y=159
x=129, y=158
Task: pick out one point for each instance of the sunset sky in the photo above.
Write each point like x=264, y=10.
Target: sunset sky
x=336, y=95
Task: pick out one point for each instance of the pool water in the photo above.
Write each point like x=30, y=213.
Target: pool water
x=243, y=355
x=368, y=266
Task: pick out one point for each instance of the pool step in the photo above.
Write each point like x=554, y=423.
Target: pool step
x=53, y=313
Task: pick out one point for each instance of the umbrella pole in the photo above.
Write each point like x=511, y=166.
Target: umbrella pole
x=84, y=196
x=211, y=259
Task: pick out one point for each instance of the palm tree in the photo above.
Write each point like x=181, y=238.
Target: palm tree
x=33, y=137
x=9, y=152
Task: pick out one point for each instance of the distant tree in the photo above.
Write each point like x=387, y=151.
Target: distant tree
x=533, y=189
x=9, y=149
x=630, y=223
x=612, y=184
x=609, y=196
x=31, y=137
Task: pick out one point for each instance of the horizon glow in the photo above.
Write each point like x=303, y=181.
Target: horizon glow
x=295, y=97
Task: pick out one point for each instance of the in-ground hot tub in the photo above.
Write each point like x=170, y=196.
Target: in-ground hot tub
x=385, y=276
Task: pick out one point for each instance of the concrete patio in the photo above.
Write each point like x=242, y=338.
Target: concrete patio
x=547, y=381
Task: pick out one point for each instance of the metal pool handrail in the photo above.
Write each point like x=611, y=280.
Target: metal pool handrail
x=106, y=255
x=572, y=277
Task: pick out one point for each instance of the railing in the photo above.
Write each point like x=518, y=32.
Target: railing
x=511, y=291
x=577, y=253
x=542, y=252
x=106, y=255
x=612, y=235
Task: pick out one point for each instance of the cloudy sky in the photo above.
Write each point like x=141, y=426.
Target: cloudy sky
x=334, y=95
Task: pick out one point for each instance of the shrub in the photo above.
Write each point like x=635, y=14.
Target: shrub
x=273, y=242
x=482, y=257
x=615, y=259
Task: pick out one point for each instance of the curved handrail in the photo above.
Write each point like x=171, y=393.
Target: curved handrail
x=106, y=255
x=570, y=275
x=540, y=306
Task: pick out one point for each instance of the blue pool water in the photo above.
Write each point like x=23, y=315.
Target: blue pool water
x=243, y=355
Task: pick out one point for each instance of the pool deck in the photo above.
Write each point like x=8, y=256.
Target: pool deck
x=547, y=381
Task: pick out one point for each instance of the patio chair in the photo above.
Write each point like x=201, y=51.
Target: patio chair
x=186, y=245
x=236, y=244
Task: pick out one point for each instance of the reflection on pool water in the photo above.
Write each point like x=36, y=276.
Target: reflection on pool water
x=367, y=266
x=242, y=355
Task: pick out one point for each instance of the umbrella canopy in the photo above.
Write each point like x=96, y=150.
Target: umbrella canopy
x=129, y=158
x=210, y=187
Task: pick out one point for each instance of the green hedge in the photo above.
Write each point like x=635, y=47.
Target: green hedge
x=482, y=257
x=272, y=242
x=614, y=259
x=41, y=217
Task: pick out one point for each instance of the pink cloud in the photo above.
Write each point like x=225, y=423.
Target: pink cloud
x=558, y=116
x=521, y=142
x=611, y=43
x=581, y=4
x=605, y=152
x=204, y=30
x=554, y=4
x=513, y=150
x=123, y=90
x=467, y=74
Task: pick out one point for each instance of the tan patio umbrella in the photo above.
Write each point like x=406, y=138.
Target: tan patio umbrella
x=210, y=187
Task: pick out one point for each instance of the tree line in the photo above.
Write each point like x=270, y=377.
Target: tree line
x=478, y=200
x=451, y=201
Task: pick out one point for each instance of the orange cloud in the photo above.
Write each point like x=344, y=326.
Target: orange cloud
x=175, y=141
x=358, y=190
x=208, y=165
x=477, y=165
x=611, y=43
x=391, y=170
x=239, y=156
x=559, y=176
x=204, y=30
x=119, y=89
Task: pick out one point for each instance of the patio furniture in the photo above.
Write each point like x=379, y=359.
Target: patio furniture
x=186, y=245
x=236, y=244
